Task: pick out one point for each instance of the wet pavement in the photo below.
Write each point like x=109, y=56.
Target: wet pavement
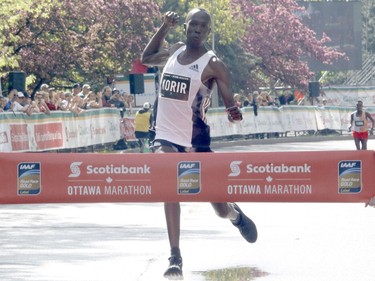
x=128, y=242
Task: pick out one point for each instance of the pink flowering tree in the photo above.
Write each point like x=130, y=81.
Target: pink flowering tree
x=279, y=41
x=73, y=40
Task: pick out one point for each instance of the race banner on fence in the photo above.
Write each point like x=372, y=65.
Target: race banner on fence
x=60, y=129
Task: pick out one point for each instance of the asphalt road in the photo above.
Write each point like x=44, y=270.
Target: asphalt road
x=128, y=242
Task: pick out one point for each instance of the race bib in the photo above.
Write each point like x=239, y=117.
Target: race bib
x=359, y=123
x=175, y=87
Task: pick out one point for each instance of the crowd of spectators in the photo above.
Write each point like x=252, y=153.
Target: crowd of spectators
x=277, y=99
x=78, y=100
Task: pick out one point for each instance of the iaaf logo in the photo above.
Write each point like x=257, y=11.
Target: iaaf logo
x=108, y=169
x=187, y=165
x=348, y=164
x=27, y=166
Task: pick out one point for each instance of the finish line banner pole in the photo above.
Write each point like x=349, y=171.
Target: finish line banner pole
x=323, y=176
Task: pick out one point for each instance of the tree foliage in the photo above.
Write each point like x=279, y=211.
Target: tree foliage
x=74, y=40
x=279, y=40
x=225, y=26
x=60, y=41
x=263, y=41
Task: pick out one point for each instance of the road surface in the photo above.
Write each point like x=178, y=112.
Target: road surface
x=128, y=242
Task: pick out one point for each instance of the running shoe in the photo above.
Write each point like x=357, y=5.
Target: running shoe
x=174, y=271
x=246, y=226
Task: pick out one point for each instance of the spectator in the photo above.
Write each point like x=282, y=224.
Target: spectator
x=247, y=100
x=64, y=100
x=264, y=99
x=3, y=102
x=44, y=88
x=117, y=100
x=60, y=100
x=286, y=98
x=76, y=105
x=106, y=96
x=237, y=100
x=142, y=125
x=40, y=103
x=34, y=107
x=76, y=89
x=129, y=103
x=11, y=96
x=254, y=102
x=47, y=101
x=85, y=91
x=16, y=104
x=93, y=100
x=26, y=100
x=53, y=97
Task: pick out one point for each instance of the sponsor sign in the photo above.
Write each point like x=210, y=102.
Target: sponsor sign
x=326, y=176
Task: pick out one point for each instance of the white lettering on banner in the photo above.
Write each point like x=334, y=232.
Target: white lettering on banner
x=84, y=190
x=19, y=137
x=111, y=169
x=288, y=189
x=239, y=189
x=128, y=190
x=27, y=166
x=48, y=136
x=244, y=189
x=348, y=165
x=271, y=168
x=87, y=190
x=98, y=131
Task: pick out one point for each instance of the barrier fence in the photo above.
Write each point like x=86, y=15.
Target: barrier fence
x=326, y=176
x=273, y=119
x=60, y=129
x=64, y=130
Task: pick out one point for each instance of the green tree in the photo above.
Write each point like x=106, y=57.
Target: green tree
x=263, y=41
x=72, y=40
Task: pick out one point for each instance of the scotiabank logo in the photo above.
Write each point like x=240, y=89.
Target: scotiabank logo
x=277, y=169
x=74, y=168
x=111, y=169
x=270, y=168
x=235, y=168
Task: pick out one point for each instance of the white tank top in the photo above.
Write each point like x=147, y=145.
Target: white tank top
x=183, y=101
x=359, y=122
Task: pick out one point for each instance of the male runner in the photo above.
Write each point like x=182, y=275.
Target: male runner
x=190, y=71
x=359, y=126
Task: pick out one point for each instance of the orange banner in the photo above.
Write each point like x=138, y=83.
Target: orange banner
x=326, y=176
